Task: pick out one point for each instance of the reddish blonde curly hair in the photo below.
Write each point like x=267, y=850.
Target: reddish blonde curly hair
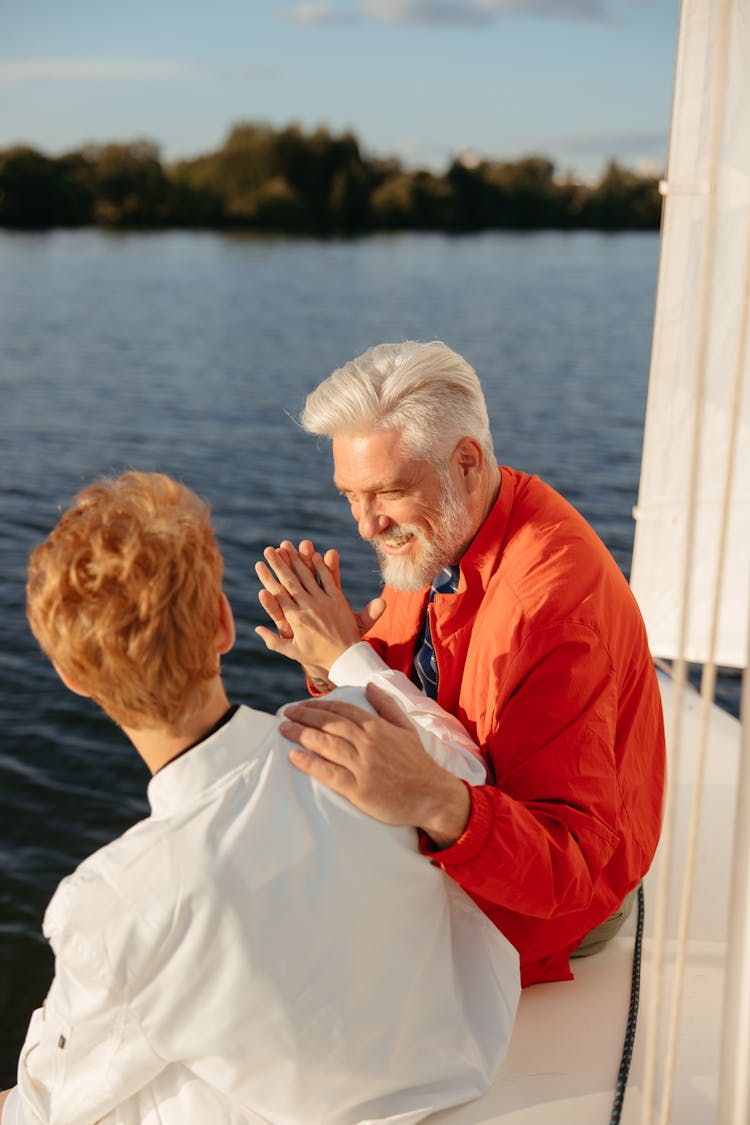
x=123, y=597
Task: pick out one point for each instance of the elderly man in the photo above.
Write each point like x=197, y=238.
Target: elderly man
x=503, y=604
x=256, y=950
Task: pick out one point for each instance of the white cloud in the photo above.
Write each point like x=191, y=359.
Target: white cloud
x=426, y=11
x=104, y=70
x=555, y=9
x=314, y=13
x=120, y=70
x=633, y=144
x=436, y=12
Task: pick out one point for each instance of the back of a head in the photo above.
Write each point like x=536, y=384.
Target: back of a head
x=425, y=391
x=123, y=597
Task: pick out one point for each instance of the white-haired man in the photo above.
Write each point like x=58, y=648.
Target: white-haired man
x=504, y=605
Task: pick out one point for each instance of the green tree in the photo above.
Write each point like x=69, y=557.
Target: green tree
x=413, y=200
x=277, y=206
x=624, y=200
x=128, y=182
x=312, y=180
x=37, y=191
x=293, y=180
x=478, y=202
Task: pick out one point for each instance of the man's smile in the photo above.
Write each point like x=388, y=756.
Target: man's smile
x=394, y=542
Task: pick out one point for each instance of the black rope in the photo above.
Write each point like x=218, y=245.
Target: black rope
x=635, y=986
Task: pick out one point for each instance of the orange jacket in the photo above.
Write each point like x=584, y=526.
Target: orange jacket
x=542, y=655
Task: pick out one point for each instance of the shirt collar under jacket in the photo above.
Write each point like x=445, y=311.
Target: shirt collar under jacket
x=230, y=747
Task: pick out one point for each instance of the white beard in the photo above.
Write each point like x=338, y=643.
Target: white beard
x=450, y=537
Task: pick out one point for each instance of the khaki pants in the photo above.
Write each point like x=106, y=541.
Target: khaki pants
x=597, y=938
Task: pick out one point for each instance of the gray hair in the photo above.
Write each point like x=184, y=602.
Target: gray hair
x=425, y=391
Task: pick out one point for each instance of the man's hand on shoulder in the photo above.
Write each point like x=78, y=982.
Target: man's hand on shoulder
x=378, y=763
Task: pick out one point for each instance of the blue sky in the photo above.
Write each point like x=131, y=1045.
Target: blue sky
x=579, y=81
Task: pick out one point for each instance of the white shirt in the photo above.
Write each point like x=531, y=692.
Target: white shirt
x=257, y=950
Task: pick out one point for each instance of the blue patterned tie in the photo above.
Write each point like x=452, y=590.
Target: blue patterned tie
x=425, y=664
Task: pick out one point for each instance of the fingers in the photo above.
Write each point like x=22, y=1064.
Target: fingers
x=367, y=617
x=387, y=707
x=271, y=583
x=333, y=562
x=306, y=551
x=325, y=577
x=333, y=742
x=289, y=575
x=293, y=569
x=273, y=609
x=274, y=642
x=328, y=715
x=294, y=575
x=333, y=746
x=334, y=776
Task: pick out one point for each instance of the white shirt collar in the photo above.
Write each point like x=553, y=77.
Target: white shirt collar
x=230, y=747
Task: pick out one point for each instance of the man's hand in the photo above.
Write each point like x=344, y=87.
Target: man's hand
x=317, y=676
x=378, y=763
x=306, y=550
x=302, y=595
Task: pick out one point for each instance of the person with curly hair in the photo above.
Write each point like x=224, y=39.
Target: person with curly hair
x=256, y=949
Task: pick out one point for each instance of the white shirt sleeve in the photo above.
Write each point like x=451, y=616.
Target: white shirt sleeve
x=12, y=1113
x=443, y=737
x=85, y=1052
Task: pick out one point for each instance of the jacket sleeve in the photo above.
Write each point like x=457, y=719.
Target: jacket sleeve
x=84, y=1053
x=539, y=837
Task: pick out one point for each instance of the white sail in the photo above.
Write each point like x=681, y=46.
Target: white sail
x=697, y=437
x=691, y=565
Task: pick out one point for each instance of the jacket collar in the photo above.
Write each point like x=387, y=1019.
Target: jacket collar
x=229, y=748
x=479, y=561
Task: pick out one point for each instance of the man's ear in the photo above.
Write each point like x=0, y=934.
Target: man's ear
x=71, y=685
x=469, y=457
x=225, y=634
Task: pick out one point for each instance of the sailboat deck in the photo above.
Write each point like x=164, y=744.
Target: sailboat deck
x=564, y=1056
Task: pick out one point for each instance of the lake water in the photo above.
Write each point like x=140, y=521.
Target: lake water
x=191, y=353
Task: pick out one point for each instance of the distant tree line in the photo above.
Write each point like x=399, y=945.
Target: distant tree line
x=292, y=181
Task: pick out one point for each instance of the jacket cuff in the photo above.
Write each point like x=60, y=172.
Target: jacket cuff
x=473, y=838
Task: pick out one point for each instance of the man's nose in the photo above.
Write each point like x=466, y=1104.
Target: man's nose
x=370, y=522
